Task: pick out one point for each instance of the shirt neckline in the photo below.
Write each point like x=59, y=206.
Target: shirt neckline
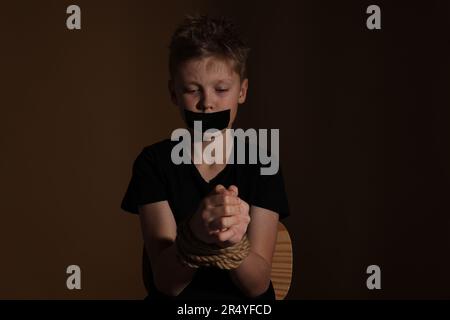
x=215, y=178
x=220, y=173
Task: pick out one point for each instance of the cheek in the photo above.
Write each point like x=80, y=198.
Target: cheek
x=231, y=100
x=233, y=111
x=188, y=102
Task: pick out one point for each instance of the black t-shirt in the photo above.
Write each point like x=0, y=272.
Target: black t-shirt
x=156, y=178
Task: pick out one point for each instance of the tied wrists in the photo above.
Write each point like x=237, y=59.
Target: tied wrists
x=195, y=253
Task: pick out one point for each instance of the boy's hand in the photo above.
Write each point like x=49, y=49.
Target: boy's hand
x=230, y=230
x=220, y=210
x=222, y=217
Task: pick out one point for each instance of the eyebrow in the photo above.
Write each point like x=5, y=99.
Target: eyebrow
x=226, y=81
x=222, y=81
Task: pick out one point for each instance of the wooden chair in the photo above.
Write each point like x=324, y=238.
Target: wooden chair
x=281, y=275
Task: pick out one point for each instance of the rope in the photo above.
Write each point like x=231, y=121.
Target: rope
x=195, y=253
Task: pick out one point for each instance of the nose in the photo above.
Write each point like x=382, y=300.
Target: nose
x=206, y=103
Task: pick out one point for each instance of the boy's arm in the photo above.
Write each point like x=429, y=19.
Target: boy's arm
x=253, y=275
x=159, y=231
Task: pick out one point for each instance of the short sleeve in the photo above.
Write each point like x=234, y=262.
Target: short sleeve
x=147, y=183
x=270, y=193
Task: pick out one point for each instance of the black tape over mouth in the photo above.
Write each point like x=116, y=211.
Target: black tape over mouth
x=214, y=120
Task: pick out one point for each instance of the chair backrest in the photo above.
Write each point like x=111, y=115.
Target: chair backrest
x=281, y=275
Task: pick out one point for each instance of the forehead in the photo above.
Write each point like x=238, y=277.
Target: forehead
x=207, y=69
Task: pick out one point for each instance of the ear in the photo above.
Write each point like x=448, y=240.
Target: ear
x=173, y=96
x=243, y=91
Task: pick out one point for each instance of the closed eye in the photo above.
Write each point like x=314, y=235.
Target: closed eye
x=190, y=90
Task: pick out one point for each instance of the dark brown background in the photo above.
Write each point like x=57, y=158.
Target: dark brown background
x=363, y=117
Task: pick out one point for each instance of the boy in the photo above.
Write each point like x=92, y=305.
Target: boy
x=221, y=205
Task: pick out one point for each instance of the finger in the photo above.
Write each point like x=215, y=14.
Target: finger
x=245, y=208
x=234, y=190
x=223, y=211
x=224, y=222
x=222, y=200
x=226, y=235
x=218, y=189
x=213, y=232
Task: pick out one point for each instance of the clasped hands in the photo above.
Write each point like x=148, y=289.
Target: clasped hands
x=222, y=217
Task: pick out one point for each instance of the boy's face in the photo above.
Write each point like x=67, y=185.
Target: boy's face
x=208, y=84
